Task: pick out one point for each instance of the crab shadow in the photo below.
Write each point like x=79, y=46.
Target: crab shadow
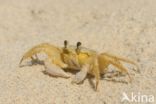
x=91, y=80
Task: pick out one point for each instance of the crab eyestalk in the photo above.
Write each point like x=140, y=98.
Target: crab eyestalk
x=78, y=47
x=65, y=47
x=65, y=43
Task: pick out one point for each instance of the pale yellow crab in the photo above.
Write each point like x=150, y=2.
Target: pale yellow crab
x=85, y=60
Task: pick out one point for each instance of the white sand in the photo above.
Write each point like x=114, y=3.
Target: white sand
x=123, y=27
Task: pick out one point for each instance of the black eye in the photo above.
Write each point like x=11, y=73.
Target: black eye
x=65, y=43
x=78, y=44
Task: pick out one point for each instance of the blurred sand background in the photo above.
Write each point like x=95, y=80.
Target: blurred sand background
x=123, y=27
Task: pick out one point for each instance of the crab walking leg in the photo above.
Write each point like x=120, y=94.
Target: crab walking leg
x=50, y=50
x=121, y=59
x=103, y=64
x=34, y=50
x=81, y=75
x=96, y=73
x=121, y=68
x=54, y=70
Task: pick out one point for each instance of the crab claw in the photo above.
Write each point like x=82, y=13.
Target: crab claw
x=54, y=70
x=81, y=75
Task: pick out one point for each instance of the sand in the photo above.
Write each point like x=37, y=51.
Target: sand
x=122, y=27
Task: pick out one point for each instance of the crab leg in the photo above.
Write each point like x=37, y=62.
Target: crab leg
x=121, y=68
x=120, y=59
x=106, y=59
x=51, y=51
x=96, y=73
x=34, y=51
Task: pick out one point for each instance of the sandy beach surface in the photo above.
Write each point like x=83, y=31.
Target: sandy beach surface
x=122, y=27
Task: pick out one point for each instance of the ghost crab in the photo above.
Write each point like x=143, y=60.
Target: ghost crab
x=85, y=60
